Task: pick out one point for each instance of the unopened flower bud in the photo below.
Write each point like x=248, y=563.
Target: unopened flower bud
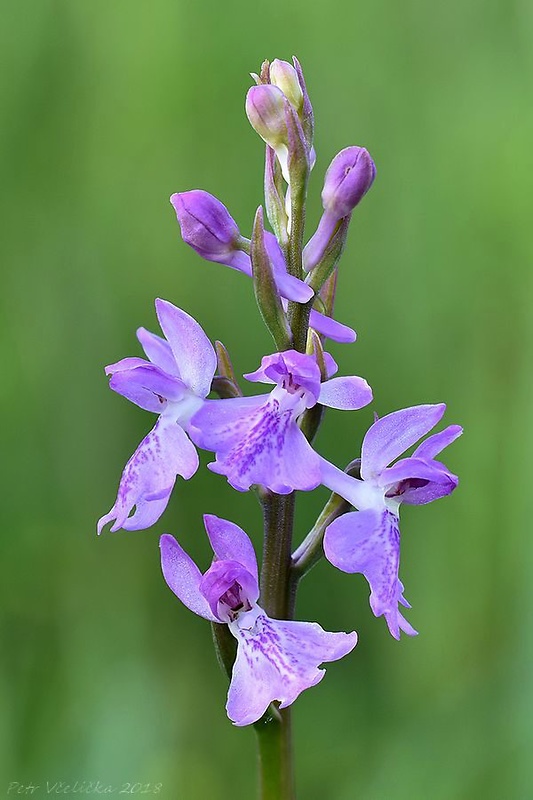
x=206, y=224
x=349, y=177
x=284, y=76
x=265, y=108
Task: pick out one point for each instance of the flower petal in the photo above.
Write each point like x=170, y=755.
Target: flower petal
x=158, y=351
x=435, y=444
x=193, y=352
x=393, y=434
x=256, y=445
x=413, y=469
x=369, y=542
x=331, y=329
x=231, y=543
x=348, y=393
x=147, y=386
x=221, y=576
x=289, y=287
x=125, y=364
x=277, y=660
x=183, y=577
x=149, y=477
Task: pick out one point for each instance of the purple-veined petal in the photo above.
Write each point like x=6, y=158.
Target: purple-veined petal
x=369, y=542
x=217, y=419
x=228, y=575
x=183, y=577
x=436, y=443
x=393, y=434
x=278, y=660
x=348, y=393
x=231, y=543
x=158, y=351
x=331, y=329
x=149, y=477
x=267, y=448
x=193, y=352
x=148, y=387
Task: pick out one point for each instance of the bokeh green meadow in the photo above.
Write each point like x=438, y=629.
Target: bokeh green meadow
x=106, y=108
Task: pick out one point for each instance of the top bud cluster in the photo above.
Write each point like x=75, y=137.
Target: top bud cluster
x=265, y=441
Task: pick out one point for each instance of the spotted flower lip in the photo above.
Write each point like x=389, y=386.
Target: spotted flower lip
x=257, y=440
x=368, y=540
x=276, y=659
x=173, y=383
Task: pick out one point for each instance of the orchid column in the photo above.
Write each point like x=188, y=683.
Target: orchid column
x=264, y=443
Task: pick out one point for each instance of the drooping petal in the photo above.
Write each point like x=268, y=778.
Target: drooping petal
x=436, y=443
x=183, y=577
x=391, y=435
x=231, y=543
x=158, y=351
x=331, y=329
x=369, y=542
x=277, y=660
x=259, y=446
x=149, y=477
x=194, y=354
x=147, y=386
x=348, y=393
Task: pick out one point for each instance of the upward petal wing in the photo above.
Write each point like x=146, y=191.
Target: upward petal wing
x=183, y=577
x=435, y=444
x=158, y=351
x=231, y=543
x=391, y=435
x=193, y=352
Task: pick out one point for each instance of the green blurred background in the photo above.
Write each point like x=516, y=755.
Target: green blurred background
x=108, y=106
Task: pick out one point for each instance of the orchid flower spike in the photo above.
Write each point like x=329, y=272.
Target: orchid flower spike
x=368, y=540
x=257, y=439
x=173, y=383
x=276, y=660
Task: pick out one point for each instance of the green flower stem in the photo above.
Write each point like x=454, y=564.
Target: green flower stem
x=277, y=588
x=276, y=780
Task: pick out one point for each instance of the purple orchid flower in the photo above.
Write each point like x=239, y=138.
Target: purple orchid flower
x=276, y=660
x=368, y=540
x=173, y=384
x=257, y=439
x=207, y=226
